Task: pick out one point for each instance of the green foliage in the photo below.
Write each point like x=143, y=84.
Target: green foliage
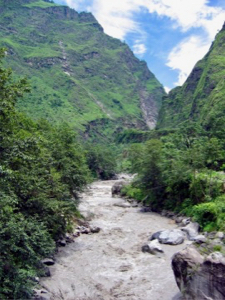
x=207, y=185
x=132, y=136
x=23, y=243
x=135, y=155
x=180, y=171
x=206, y=214
x=201, y=98
x=78, y=74
x=101, y=161
x=211, y=215
x=217, y=248
x=42, y=168
x=132, y=192
x=41, y=3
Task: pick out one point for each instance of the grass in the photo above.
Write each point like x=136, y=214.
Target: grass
x=41, y=4
x=99, y=87
x=202, y=95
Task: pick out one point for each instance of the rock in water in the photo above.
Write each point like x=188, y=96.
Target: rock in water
x=171, y=237
x=153, y=247
x=155, y=235
x=48, y=261
x=199, y=239
x=192, y=230
x=117, y=187
x=199, y=278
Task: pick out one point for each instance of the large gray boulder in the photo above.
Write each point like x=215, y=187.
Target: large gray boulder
x=41, y=294
x=199, y=278
x=171, y=237
x=200, y=239
x=153, y=247
x=192, y=230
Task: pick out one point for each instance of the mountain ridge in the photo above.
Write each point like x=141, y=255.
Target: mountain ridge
x=200, y=98
x=78, y=74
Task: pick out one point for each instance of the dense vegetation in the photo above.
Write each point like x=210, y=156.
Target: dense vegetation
x=78, y=74
x=201, y=98
x=42, y=168
x=181, y=166
x=183, y=172
x=97, y=90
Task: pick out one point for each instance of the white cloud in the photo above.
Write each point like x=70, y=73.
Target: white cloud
x=139, y=48
x=185, y=13
x=167, y=89
x=184, y=56
x=74, y=4
x=117, y=16
x=118, y=19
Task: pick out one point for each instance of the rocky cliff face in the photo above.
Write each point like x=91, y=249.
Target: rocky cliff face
x=202, y=97
x=198, y=277
x=77, y=73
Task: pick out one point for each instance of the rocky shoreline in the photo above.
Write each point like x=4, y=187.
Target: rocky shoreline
x=199, y=260
x=198, y=269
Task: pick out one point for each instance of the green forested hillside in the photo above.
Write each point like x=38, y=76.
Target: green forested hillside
x=77, y=73
x=202, y=97
x=42, y=168
x=181, y=167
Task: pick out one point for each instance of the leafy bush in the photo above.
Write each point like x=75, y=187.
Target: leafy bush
x=180, y=171
x=42, y=170
x=101, y=161
x=210, y=215
x=132, y=192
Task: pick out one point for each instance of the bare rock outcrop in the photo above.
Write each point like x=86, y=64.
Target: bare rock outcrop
x=198, y=277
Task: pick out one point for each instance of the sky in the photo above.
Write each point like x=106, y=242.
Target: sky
x=170, y=35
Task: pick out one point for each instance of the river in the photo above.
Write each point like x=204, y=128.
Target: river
x=110, y=264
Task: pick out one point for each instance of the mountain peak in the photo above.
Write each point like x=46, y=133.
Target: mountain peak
x=78, y=74
x=201, y=98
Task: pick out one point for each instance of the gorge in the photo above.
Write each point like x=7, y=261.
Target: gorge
x=87, y=110
x=110, y=264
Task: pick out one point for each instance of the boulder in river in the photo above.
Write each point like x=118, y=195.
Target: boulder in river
x=192, y=230
x=61, y=243
x=153, y=247
x=123, y=204
x=46, y=272
x=41, y=294
x=117, y=187
x=185, y=221
x=199, y=278
x=200, y=239
x=171, y=237
x=146, y=209
x=155, y=235
x=94, y=229
x=48, y=261
x=220, y=235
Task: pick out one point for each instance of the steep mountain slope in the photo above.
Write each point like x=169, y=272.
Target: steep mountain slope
x=78, y=74
x=202, y=97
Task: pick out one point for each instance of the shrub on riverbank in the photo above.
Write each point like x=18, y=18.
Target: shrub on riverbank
x=183, y=172
x=42, y=168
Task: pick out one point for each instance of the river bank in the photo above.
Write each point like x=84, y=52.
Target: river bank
x=110, y=264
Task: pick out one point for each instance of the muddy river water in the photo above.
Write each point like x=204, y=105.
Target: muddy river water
x=110, y=264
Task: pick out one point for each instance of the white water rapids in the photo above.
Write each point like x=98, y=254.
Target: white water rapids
x=110, y=264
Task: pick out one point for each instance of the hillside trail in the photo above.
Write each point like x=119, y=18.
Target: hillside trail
x=110, y=264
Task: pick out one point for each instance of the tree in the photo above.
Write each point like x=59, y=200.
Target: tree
x=42, y=169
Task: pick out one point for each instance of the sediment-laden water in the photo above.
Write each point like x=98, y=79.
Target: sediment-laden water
x=110, y=264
